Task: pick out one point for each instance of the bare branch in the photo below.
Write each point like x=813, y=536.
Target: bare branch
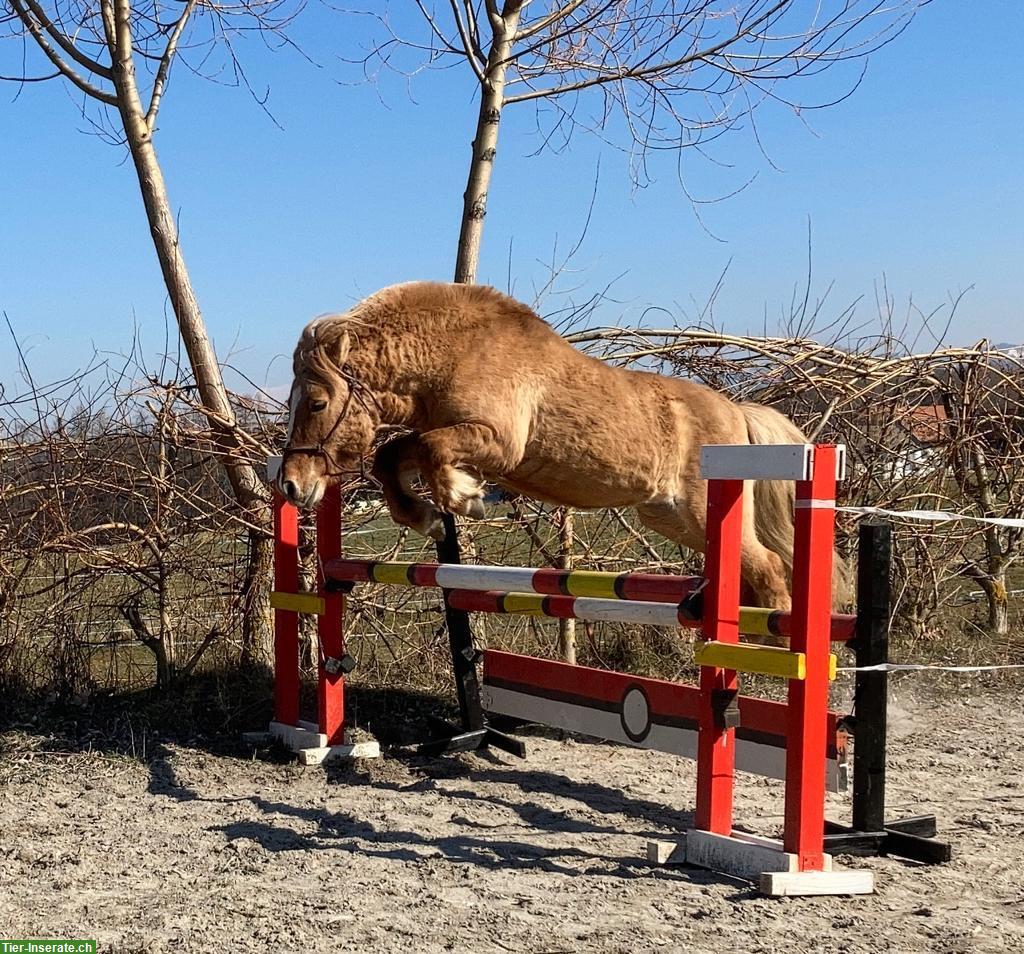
x=165, y=64
x=556, y=16
x=473, y=55
x=58, y=36
x=65, y=69
x=645, y=69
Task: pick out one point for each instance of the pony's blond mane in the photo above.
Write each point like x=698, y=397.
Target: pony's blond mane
x=319, y=340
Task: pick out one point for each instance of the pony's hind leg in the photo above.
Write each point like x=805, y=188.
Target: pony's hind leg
x=762, y=569
x=764, y=573
x=683, y=522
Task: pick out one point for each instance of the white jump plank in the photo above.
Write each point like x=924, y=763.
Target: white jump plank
x=757, y=461
x=763, y=461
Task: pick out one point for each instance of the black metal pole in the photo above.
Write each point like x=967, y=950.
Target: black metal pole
x=870, y=698
x=475, y=732
x=460, y=637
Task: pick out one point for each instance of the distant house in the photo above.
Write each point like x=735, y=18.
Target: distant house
x=929, y=425
x=917, y=439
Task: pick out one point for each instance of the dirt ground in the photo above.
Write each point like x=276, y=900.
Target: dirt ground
x=186, y=850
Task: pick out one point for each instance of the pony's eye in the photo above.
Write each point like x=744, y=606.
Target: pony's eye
x=316, y=406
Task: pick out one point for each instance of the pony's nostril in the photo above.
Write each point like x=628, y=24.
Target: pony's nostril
x=290, y=490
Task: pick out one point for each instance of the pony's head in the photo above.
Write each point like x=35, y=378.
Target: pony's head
x=331, y=421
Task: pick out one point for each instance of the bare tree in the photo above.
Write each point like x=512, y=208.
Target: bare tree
x=648, y=74
x=985, y=404
x=119, y=55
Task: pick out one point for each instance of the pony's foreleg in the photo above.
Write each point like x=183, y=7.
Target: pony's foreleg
x=395, y=466
x=453, y=461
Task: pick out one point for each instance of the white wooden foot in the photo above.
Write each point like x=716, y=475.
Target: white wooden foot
x=332, y=753
x=311, y=746
x=795, y=883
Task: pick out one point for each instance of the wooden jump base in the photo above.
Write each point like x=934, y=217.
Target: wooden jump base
x=800, y=741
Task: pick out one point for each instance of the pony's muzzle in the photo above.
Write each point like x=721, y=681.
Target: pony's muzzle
x=304, y=497
x=302, y=480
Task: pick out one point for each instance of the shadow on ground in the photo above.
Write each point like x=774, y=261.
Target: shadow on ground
x=209, y=711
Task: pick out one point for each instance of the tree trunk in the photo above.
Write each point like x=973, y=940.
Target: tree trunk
x=257, y=626
x=485, y=145
x=164, y=666
x=992, y=580
x=998, y=604
x=257, y=615
x=245, y=483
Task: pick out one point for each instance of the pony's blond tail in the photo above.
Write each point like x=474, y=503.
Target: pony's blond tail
x=773, y=500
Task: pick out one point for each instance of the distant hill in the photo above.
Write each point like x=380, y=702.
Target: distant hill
x=1011, y=350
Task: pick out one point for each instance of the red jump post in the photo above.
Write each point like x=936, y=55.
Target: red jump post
x=314, y=742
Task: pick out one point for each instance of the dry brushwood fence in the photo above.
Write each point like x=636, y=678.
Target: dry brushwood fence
x=123, y=551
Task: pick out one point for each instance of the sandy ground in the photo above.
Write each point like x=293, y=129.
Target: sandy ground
x=187, y=850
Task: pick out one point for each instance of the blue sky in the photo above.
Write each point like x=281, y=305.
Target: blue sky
x=914, y=180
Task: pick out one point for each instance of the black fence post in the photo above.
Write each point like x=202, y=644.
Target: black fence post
x=475, y=732
x=871, y=833
x=870, y=697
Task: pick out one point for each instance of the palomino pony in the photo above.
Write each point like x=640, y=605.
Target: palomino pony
x=489, y=392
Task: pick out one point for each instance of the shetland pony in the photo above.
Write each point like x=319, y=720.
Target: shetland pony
x=488, y=391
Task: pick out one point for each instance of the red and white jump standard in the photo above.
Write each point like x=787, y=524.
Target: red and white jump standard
x=326, y=738
x=800, y=741
x=797, y=865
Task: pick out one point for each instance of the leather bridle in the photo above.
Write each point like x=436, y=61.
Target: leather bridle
x=356, y=390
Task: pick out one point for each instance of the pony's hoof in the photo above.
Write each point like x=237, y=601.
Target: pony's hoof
x=435, y=528
x=475, y=508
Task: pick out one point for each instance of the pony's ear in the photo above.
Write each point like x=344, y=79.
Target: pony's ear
x=338, y=349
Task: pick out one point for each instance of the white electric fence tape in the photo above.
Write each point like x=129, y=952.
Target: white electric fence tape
x=936, y=515
x=917, y=667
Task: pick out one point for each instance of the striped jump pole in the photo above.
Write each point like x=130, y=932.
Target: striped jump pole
x=645, y=598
